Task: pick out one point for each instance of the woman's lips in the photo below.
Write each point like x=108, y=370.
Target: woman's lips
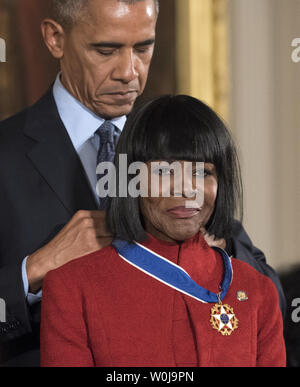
x=183, y=212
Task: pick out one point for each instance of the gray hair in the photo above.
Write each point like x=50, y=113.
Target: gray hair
x=66, y=12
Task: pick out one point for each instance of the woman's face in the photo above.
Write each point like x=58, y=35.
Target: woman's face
x=170, y=218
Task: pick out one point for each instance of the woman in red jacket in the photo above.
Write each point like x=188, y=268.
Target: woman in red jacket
x=160, y=296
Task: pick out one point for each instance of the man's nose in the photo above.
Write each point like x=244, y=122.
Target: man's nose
x=125, y=70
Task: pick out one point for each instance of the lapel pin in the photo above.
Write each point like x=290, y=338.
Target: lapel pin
x=241, y=295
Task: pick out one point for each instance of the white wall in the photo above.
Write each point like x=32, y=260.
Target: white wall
x=265, y=119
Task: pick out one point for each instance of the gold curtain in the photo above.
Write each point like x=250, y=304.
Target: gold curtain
x=202, y=52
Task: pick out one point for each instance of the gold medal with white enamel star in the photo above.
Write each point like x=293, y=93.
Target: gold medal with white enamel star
x=223, y=319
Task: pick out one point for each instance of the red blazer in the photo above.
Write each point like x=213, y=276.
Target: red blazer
x=101, y=311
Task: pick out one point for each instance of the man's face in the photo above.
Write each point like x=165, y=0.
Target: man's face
x=107, y=55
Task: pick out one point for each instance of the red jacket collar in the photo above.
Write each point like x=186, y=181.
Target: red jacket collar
x=193, y=255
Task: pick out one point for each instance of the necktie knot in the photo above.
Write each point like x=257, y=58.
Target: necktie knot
x=106, y=133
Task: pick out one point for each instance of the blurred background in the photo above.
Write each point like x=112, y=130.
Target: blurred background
x=235, y=55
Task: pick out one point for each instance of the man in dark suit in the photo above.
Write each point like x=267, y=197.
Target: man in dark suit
x=48, y=157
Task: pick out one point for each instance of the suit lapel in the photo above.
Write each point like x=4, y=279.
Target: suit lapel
x=55, y=158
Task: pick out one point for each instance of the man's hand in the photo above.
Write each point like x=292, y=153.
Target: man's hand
x=211, y=241
x=84, y=234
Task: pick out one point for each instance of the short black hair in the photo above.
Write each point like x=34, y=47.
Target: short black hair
x=174, y=128
x=67, y=12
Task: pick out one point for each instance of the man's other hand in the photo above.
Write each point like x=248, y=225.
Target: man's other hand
x=212, y=241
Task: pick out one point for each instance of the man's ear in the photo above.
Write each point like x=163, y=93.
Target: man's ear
x=54, y=37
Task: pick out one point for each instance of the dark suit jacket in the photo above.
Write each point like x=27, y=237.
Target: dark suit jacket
x=42, y=185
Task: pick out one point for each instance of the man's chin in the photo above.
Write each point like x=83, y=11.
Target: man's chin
x=110, y=111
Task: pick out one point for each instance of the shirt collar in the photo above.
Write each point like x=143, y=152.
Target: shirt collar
x=79, y=121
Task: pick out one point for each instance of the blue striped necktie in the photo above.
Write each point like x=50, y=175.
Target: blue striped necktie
x=109, y=136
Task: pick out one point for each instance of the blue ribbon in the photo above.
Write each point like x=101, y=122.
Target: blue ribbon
x=172, y=274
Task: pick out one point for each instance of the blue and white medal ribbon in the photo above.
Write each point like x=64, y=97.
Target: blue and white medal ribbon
x=167, y=272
